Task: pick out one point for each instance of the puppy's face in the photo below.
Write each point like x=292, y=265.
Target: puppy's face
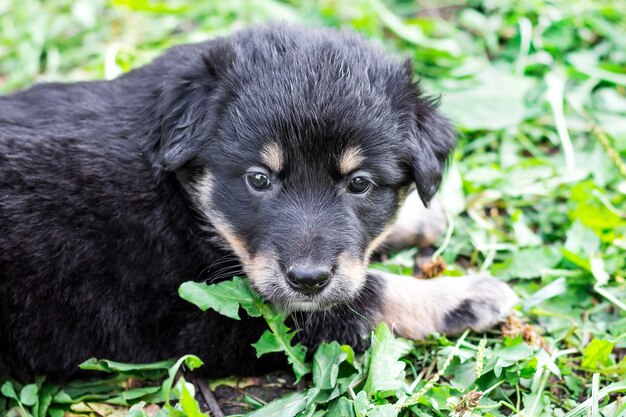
x=306, y=158
x=303, y=210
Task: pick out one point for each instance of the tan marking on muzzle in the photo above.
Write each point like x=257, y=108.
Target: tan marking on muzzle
x=263, y=268
x=351, y=159
x=272, y=156
x=352, y=268
x=237, y=244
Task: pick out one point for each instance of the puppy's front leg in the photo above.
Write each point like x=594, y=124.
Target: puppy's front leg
x=415, y=308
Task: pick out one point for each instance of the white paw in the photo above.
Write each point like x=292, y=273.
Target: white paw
x=415, y=308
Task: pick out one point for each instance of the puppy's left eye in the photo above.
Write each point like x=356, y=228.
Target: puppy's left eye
x=359, y=185
x=259, y=181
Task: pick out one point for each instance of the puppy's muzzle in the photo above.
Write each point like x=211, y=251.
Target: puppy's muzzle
x=308, y=279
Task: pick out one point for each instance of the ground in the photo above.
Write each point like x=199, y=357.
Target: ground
x=535, y=195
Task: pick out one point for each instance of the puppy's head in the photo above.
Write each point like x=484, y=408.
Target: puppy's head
x=297, y=147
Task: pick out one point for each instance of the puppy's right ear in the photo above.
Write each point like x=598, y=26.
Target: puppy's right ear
x=187, y=105
x=432, y=140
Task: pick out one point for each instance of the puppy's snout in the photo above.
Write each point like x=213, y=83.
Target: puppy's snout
x=308, y=279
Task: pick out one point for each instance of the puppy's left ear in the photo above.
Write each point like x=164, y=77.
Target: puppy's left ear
x=189, y=100
x=431, y=145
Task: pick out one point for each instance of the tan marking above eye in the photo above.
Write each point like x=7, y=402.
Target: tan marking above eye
x=351, y=159
x=272, y=156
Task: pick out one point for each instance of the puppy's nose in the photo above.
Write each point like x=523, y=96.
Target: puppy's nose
x=308, y=279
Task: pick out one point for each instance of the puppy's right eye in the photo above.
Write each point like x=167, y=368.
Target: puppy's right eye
x=359, y=185
x=258, y=181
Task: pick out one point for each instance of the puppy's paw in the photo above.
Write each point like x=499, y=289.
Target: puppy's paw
x=485, y=302
x=416, y=225
x=415, y=308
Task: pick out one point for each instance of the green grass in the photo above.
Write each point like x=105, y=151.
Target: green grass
x=536, y=194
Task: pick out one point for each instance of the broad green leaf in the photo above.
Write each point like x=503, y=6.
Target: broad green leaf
x=463, y=373
x=316, y=395
x=509, y=355
x=224, y=297
x=582, y=240
x=288, y=406
x=342, y=407
x=29, y=395
x=590, y=211
x=528, y=263
x=268, y=343
x=279, y=339
x=597, y=354
x=491, y=103
x=8, y=391
x=361, y=404
x=386, y=410
x=190, y=406
x=534, y=404
x=326, y=365
x=386, y=371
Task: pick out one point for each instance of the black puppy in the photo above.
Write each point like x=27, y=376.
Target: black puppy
x=278, y=152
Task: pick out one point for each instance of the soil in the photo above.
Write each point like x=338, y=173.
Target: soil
x=237, y=395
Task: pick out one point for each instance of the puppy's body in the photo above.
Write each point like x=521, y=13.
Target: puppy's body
x=114, y=193
x=95, y=240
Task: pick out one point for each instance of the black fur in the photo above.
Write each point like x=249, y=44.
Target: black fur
x=461, y=317
x=99, y=226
